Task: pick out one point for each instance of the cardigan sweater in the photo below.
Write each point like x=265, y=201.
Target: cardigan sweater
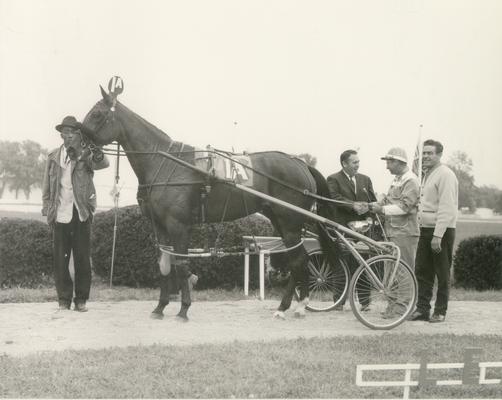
x=438, y=205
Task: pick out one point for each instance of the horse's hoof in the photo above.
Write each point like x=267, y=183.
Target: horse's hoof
x=300, y=314
x=156, y=315
x=181, y=318
x=279, y=315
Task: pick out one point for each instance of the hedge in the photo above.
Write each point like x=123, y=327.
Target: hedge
x=478, y=263
x=25, y=253
x=136, y=257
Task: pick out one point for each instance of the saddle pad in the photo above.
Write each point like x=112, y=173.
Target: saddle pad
x=233, y=168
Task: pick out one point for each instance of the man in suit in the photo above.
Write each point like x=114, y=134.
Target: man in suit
x=357, y=190
x=347, y=185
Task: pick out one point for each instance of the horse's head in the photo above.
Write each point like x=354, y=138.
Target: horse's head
x=100, y=124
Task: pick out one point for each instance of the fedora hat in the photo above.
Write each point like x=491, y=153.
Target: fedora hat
x=396, y=153
x=69, y=121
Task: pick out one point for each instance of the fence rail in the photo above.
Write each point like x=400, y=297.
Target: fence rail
x=407, y=382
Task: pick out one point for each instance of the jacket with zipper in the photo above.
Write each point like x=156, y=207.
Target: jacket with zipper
x=84, y=192
x=400, y=206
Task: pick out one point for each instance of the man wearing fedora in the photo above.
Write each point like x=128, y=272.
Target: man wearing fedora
x=69, y=202
x=400, y=205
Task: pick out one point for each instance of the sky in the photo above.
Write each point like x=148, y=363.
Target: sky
x=314, y=77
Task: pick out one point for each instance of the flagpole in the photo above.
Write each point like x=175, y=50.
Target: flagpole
x=417, y=159
x=116, y=194
x=420, y=152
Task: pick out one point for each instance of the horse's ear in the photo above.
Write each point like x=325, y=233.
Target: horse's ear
x=106, y=96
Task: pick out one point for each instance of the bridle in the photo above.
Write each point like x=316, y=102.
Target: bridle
x=107, y=117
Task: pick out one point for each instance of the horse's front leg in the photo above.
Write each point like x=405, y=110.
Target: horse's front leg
x=167, y=285
x=186, y=280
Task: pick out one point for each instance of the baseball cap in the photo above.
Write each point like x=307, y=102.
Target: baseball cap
x=396, y=153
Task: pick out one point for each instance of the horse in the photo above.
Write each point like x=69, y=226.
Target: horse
x=169, y=193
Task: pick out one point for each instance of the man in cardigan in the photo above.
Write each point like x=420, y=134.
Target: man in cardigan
x=437, y=214
x=357, y=190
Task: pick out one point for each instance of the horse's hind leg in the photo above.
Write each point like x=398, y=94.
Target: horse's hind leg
x=290, y=229
x=297, y=259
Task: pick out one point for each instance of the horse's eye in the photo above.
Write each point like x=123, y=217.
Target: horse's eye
x=96, y=114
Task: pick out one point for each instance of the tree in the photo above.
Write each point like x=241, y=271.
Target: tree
x=498, y=203
x=461, y=165
x=308, y=158
x=488, y=196
x=8, y=156
x=21, y=166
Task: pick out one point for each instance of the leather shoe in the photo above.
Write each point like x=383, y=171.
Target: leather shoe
x=418, y=316
x=437, y=318
x=80, y=307
x=63, y=307
x=338, y=307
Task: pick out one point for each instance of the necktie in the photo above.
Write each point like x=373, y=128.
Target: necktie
x=352, y=183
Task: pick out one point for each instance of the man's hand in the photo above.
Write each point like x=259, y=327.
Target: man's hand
x=376, y=208
x=436, y=244
x=97, y=154
x=360, y=207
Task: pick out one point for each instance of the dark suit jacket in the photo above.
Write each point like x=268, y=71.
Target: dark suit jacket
x=341, y=189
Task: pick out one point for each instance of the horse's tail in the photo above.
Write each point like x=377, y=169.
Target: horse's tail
x=330, y=248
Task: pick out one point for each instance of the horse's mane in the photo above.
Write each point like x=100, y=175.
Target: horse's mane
x=159, y=132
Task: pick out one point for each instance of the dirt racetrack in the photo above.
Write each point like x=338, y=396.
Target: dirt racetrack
x=26, y=328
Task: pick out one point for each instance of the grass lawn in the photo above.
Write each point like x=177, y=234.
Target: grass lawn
x=469, y=228
x=313, y=368
x=100, y=291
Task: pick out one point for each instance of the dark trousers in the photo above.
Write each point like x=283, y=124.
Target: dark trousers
x=74, y=236
x=429, y=265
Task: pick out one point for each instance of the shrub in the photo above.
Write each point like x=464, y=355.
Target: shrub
x=135, y=262
x=478, y=263
x=136, y=257
x=25, y=253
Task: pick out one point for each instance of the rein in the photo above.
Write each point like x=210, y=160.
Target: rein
x=172, y=156
x=175, y=156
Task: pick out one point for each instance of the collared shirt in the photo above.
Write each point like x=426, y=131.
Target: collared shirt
x=66, y=197
x=351, y=179
x=438, y=206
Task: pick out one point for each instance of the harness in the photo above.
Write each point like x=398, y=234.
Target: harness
x=145, y=188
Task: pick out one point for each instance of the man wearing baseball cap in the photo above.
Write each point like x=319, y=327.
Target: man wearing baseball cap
x=69, y=202
x=400, y=205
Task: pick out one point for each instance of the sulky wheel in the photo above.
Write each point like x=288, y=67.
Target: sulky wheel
x=327, y=284
x=383, y=294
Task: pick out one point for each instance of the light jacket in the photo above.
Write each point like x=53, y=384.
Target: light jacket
x=438, y=206
x=400, y=206
x=84, y=191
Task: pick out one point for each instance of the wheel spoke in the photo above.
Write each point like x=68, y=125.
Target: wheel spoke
x=387, y=307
